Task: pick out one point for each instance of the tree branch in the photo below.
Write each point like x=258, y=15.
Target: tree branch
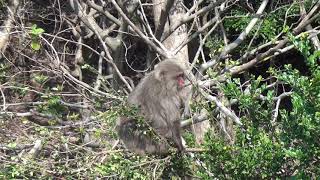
x=162, y=52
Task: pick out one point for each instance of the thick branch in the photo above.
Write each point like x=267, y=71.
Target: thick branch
x=106, y=13
x=315, y=39
x=222, y=108
x=7, y=24
x=200, y=30
x=245, y=33
x=137, y=30
x=90, y=22
x=163, y=19
x=195, y=119
x=188, y=17
x=238, y=41
x=266, y=55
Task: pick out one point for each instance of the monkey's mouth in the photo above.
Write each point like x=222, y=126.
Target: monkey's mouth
x=185, y=85
x=180, y=81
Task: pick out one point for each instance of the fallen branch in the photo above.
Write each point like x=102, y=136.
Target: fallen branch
x=34, y=152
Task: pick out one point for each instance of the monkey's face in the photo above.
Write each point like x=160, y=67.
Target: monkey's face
x=171, y=76
x=180, y=80
x=174, y=82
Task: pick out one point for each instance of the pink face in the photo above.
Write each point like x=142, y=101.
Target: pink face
x=180, y=80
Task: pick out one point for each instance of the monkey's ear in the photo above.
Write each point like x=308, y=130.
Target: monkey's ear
x=159, y=75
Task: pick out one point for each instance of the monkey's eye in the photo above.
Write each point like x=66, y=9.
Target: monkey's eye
x=180, y=75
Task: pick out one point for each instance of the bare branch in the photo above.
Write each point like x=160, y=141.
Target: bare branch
x=194, y=35
x=315, y=39
x=239, y=40
x=247, y=30
x=106, y=13
x=137, y=30
x=263, y=56
x=90, y=22
x=308, y=18
x=276, y=110
x=187, y=18
x=195, y=119
x=222, y=108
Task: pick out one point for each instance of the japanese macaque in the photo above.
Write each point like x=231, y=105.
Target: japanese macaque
x=159, y=96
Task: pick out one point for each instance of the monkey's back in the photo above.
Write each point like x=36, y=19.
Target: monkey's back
x=158, y=106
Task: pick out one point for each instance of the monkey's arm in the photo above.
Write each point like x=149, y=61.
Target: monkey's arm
x=176, y=133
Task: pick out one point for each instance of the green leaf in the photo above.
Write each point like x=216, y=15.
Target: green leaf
x=35, y=45
x=36, y=31
x=12, y=145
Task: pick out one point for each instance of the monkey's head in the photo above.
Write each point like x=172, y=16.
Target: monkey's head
x=170, y=74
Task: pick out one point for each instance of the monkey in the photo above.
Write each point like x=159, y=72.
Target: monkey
x=159, y=96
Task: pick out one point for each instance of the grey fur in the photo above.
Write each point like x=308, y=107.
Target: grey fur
x=160, y=100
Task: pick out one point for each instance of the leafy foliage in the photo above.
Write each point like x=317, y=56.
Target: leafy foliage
x=275, y=142
x=270, y=149
x=35, y=33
